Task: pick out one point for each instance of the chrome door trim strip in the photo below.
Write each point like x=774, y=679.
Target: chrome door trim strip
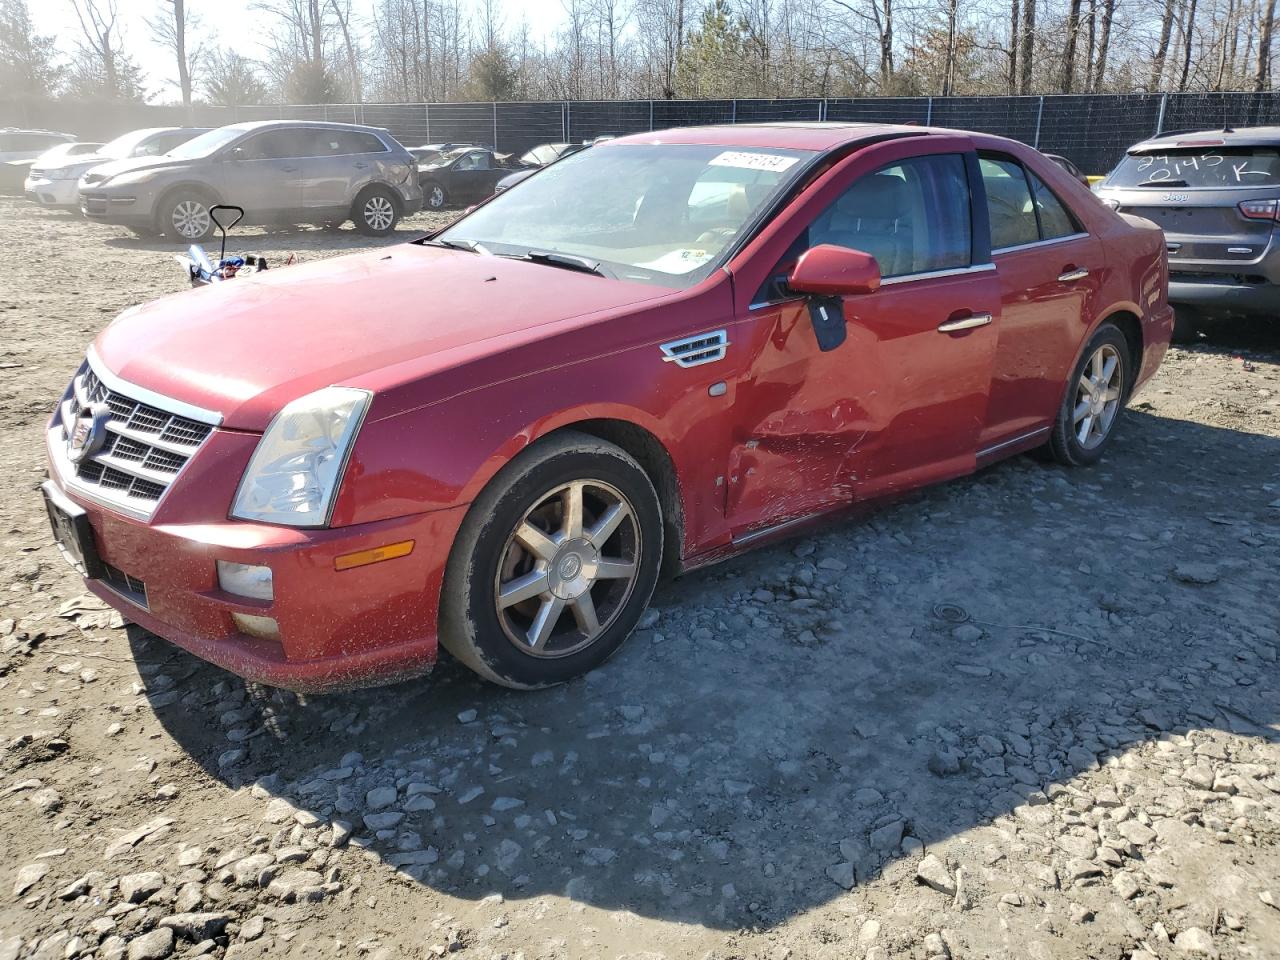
x=937, y=274
x=1039, y=243
x=763, y=532
x=987, y=451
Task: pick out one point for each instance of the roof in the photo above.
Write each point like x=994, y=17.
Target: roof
x=1244, y=136
x=816, y=136
x=322, y=124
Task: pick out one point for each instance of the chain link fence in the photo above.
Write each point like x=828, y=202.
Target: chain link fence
x=1093, y=130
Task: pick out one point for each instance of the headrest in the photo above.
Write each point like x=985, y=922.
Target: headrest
x=881, y=196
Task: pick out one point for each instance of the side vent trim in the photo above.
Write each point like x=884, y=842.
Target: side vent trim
x=696, y=350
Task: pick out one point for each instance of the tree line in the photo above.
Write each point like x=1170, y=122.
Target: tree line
x=330, y=51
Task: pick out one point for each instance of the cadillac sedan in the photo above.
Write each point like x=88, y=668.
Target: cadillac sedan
x=655, y=354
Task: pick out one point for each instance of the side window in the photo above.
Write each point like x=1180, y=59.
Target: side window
x=1055, y=221
x=1009, y=206
x=913, y=216
x=356, y=142
x=272, y=145
x=474, y=161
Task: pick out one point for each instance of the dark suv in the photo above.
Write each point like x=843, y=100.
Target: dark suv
x=1216, y=195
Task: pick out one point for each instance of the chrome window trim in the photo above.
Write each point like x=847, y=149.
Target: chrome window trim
x=1039, y=243
x=893, y=281
x=118, y=384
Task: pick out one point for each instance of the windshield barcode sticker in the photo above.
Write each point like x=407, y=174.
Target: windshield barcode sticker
x=753, y=161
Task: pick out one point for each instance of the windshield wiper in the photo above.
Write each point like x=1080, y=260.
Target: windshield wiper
x=566, y=261
x=1163, y=183
x=470, y=246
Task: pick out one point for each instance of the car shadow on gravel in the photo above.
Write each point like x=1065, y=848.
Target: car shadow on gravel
x=809, y=717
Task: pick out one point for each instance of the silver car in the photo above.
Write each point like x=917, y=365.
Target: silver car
x=1214, y=193
x=53, y=179
x=279, y=171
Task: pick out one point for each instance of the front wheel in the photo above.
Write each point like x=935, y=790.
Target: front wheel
x=376, y=213
x=185, y=216
x=1095, y=398
x=554, y=564
x=433, y=196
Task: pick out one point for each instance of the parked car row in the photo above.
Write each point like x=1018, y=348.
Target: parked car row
x=164, y=180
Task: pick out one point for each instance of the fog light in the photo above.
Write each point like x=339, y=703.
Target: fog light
x=245, y=580
x=264, y=628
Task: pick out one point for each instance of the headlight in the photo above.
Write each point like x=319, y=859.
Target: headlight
x=57, y=173
x=294, y=473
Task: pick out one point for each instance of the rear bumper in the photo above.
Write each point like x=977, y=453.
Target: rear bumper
x=1227, y=298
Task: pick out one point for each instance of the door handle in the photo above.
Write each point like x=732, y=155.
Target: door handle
x=361, y=166
x=1070, y=275
x=289, y=169
x=965, y=323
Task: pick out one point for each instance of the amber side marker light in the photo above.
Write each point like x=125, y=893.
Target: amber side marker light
x=362, y=558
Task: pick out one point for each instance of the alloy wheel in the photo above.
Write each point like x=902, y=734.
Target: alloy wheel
x=191, y=219
x=435, y=199
x=568, y=568
x=379, y=214
x=1098, y=395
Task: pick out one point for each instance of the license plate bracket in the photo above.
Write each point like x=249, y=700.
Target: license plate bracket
x=72, y=532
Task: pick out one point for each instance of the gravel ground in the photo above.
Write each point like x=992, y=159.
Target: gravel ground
x=1030, y=714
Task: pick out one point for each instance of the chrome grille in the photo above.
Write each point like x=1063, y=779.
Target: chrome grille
x=144, y=449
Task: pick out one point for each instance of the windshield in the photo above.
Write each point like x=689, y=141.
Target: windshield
x=1200, y=167
x=206, y=143
x=657, y=213
x=123, y=147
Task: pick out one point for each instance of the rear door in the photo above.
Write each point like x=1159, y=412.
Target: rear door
x=1049, y=271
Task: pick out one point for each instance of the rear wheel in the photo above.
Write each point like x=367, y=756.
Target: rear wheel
x=1096, y=396
x=554, y=564
x=1186, y=325
x=376, y=212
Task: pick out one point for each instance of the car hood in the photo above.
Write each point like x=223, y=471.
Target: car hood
x=78, y=165
x=246, y=347
x=102, y=169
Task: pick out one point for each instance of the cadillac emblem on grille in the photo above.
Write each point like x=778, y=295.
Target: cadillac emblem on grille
x=87, y=432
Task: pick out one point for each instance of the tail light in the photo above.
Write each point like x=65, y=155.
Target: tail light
x=1260, y=209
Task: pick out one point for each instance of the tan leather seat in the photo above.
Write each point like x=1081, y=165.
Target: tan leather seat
x=874, y=216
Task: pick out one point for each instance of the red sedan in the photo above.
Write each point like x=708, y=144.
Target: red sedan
x=650, y=356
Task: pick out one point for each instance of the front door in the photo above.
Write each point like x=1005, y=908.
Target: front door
x=263, y=173
x=901, y=401
x=473, y=176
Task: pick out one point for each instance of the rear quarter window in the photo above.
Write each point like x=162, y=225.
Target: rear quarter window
x=1200, y=167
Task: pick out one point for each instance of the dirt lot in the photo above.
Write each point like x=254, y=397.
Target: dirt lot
x=1031, y=714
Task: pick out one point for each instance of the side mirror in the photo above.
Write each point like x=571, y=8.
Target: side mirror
x=830, y=271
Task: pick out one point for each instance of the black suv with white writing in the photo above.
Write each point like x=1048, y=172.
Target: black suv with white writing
x=1216, y=195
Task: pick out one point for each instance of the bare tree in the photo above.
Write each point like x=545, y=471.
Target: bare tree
x=169, y=28
x=1069, y=54
x=1262, y=72
x=1026, y=46
x=102, y=40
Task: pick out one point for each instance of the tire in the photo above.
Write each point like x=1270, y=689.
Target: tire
x=434, y=196
x=501, y=640
x=1075, y=442
x=376, y=212
x=184, y=216
x=1186, y=325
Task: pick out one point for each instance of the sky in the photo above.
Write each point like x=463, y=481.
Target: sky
x=229, y=24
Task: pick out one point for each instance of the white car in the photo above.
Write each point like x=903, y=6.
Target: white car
x=54, y=158
x=52, y=181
